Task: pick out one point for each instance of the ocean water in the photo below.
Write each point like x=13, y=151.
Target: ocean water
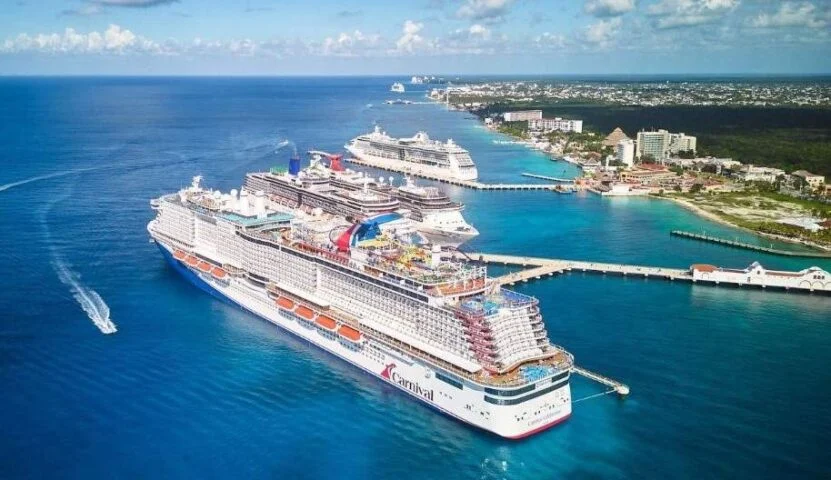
x=726, y=383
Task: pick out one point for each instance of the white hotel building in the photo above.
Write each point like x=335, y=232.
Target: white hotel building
x=522, y=115
x=551, y=124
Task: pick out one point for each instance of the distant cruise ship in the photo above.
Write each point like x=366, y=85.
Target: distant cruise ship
x=397, y=87
x=417, y=155
x=435, y=328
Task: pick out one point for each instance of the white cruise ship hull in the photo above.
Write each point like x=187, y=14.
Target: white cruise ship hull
x=412, y=168
x=507, y=414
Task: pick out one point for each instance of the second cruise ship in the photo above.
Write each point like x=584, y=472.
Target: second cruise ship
x=418, y=155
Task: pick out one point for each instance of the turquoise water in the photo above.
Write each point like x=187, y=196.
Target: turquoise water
x=726, y=383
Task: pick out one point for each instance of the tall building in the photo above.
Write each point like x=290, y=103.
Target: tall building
x=625, y=152
x=661, y=144
x=551, y=124
x=679, y=142
x=653, y=144
x=522, y=115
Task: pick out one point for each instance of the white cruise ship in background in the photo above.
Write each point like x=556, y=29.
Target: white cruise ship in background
x=418, y=155
x=436, y=329
x=397, y=87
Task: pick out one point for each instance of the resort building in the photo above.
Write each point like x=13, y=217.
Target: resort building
x=522, y=115
x=679, y=142
x=625, y=152
x=811, y=179
x=552, y=124
x=752, y=173
x=647, y=173
x=661, y=144
x=653, y=144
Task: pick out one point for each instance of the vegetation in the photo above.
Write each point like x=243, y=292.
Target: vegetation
x=516, y=129
x=761, y=199
x=790, y=138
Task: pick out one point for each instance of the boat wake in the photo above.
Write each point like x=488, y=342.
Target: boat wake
x=90, y=301
x=97, y=310
x=18, y=183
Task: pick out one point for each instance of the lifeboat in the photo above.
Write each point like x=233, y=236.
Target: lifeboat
x=285, y=303
x=305, y=312
x=179, y=255
x=205, y=266
x=326, y=322
x=218, y=273
x=349, y=333
x=192, y=261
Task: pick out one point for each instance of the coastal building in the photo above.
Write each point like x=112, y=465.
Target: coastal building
x=613, y=138
x=653, y=144
x=752, y=173
x=811, y=179
x=813, y=278
x=557, y=123
x=647, y=173
x=680, y=142
x=522, y=115
x=661, y=144
x=625, y=152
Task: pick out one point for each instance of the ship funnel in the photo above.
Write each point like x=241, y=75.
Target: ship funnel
x=294, y=165
x=335, y=163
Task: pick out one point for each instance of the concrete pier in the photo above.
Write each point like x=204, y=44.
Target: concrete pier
x=453, y=181
x=541, y=267
x=747, y=246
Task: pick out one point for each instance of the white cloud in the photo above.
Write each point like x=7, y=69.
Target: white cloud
x=484, y=10
x=601, y=33
x=477, y=30
x=608, y=8
x=791, y=14
x=684, y=13
x=350, y=44
x=410, y=39
x=114, y=40
x=550, y=41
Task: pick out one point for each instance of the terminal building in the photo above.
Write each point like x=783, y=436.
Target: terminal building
x=522, y=115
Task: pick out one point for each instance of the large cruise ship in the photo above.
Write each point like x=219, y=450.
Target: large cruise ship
x=418, y=155
x=337, y=190
x=437, y=329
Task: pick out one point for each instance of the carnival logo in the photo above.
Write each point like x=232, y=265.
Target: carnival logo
x=387, y=371
x=414, y=387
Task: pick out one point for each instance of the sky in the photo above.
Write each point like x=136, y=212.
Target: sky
x=346, y=37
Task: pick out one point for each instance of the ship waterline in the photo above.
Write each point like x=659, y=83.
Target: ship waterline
x=441, y=332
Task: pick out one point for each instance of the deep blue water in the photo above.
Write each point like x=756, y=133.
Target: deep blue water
x=726, y=383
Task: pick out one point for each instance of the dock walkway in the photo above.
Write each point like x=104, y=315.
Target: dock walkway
x=546, y=177
x=748, y=246
x=453, y=181
x=618, y=387
x=541, y=267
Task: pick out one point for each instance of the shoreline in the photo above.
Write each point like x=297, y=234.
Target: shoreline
x=715, y=218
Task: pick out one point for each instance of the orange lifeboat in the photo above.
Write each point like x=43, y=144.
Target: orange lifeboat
x=205, y=266
x=349, y=333
x=326, y=322
x=192, y=261
x=285, y=303
x=179, y=255
x=218, y=273
x=305, y=312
